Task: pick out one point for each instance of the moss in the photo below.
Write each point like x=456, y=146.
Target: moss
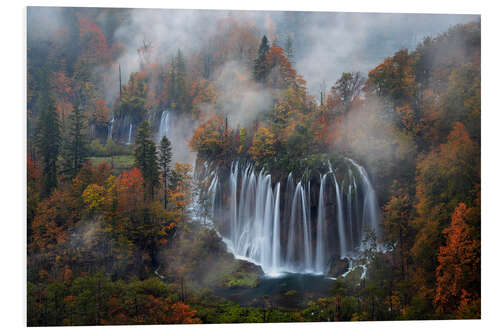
x=242, y=280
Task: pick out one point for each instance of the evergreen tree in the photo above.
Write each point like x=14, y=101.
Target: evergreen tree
x=146, y=158
x=171, y=85
x=178, y=91
x=76, y=148
x=289, y=48
x=48, y=141
x=165, y=160
x=260, y=67
x=180, y=84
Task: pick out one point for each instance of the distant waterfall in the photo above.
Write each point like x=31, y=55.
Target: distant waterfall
x=164, y=125
x=292, y=228
x=130, y=134
x=110, y=130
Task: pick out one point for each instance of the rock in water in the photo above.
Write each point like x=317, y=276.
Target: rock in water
x=338, y=266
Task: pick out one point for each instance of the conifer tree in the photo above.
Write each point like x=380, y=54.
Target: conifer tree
x=75, y=148
x=289, y=48
x=146, y=158
x=165, y=160
x=260, y=67
x=48, y=142
x=181, y=87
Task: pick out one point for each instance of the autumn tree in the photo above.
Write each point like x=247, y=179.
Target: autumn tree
x=458, y=275
x=146, y=158
x=394, y=79
x=94, y=44
x=280, y=72
x=446, y=177
x=398, y=232
x=348, y=88
x=211, y=140
x=33, y=190
x=262, y=149
x=181, y=186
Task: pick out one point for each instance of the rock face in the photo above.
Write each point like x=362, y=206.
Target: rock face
x=210, y=264
x=338, y=266
x=246, y=275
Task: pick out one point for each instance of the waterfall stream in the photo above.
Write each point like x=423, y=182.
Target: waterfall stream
x=130, y=134
x=299, y=227
x=110, y=130
x=164, y=125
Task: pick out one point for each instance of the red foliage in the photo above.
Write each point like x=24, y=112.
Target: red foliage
x=94, y=45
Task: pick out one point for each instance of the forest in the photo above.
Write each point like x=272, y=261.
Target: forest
x=211, y=185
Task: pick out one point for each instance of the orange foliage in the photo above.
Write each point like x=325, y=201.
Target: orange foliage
x=262, y=148
x=203, y=94
x=162, y=311
x=458, y=274
x=394, y=78
x=208, y=138
x=100, y=114
x=54, y=216
x=62, y=86
x=449, y=170
x=234, y=41
x=130, y=186
x=94, y=45
x=281, y=72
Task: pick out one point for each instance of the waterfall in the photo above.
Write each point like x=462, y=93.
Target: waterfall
x=340, y=220
x=254, y=220
x=306, y=222
x=277, y=230
x=321, y=228
x=130, y=134
x=233, y=202
x=349, y=214
x=291, y=229
x=110, y=129
x=212, y=190
x=371, y=214
x=275, y=264
x=164, y=125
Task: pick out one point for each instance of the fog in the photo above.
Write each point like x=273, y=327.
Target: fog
x=324, y=44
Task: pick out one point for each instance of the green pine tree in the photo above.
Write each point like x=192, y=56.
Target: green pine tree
x=181, y=83
x=48, y=142
x=146, y=158
x=289, y=48
x=260, y=68
x=76, y=146
x=165, y=160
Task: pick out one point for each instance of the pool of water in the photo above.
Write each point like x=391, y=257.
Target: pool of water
x=287, y=291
